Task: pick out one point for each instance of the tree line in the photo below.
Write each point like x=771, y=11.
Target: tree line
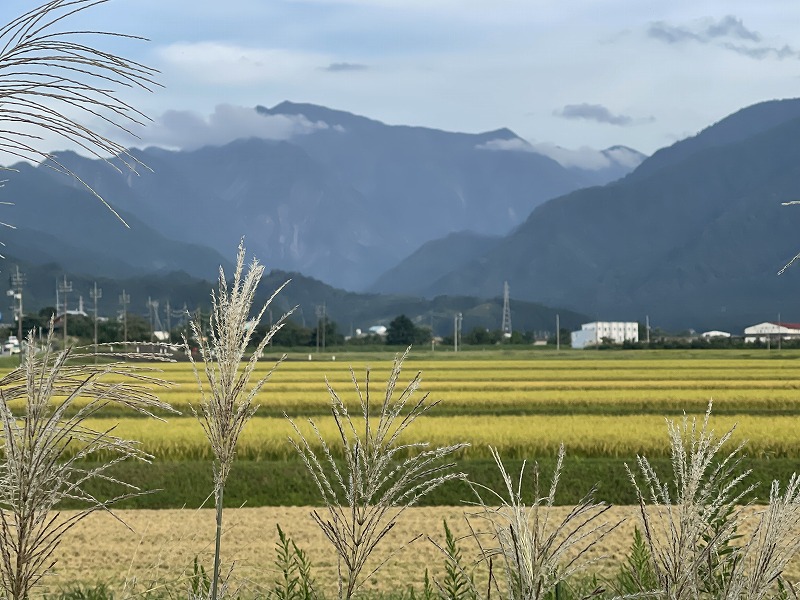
x=401, y=331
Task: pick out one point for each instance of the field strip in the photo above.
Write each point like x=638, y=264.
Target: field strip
x=166, y=542
x=526, y=436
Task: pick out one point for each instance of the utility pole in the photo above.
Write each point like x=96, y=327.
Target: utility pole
x=647, y=328
x=124, y=300
x=95, y=294
x=65, y=287
x=169, y=323
x=17, y=283
x=780, y=335
x=456, y=330
x=320, y=312
x=558, y=332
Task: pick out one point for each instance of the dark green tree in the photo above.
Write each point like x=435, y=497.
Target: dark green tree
x=403, y=332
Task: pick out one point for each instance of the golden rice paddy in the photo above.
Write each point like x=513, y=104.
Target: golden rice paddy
x=526, y=408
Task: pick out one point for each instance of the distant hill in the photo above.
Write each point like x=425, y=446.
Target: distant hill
x=692, y=238
x=349, y=309
x=432, y=261
x=57, y=223
x=345, y=202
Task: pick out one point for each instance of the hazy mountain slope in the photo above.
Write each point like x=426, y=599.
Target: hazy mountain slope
x=695, y=243
x=737, y=127
x=62, y=223
x=343, y=203
x=432, y=261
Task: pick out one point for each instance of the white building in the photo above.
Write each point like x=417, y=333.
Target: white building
x=715, y=334
x=592, y=334
x=771, y=330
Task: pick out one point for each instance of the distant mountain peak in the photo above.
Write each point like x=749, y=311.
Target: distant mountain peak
x=315, y=112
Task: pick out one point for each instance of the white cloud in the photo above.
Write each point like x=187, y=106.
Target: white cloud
x=624, y=156
x=222, y=63
x=582, y=158
x=514, y=145
x=189, y=130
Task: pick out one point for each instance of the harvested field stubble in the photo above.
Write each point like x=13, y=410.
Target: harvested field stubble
x=166, y=542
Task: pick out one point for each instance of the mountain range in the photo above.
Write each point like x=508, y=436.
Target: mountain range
x=344, y=201
x=692, y=236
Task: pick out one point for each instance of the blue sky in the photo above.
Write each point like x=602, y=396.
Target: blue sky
x=571, y=73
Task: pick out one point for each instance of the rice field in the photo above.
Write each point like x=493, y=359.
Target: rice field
x=493, y=387
x=604, y=408
x=609, y=407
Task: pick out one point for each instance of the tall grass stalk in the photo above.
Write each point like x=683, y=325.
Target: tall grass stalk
x=49, y=70
x=226, y=404
x=41, y=466
x=536, y=553
x=693, y=536
x=366, y=496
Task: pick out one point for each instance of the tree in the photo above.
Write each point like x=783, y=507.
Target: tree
x=403, y=332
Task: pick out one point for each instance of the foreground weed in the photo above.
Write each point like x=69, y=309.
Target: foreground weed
x=636, y=576
x=456, y=583
x=536, y=556
x=45, y=447
x=365, y=499
x=692, y=536
x=294, y=571
x=226, y=403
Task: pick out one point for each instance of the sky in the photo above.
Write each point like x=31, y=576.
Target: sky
x=572, y=74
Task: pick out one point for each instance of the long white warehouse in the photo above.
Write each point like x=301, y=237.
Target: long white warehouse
x=592, y=334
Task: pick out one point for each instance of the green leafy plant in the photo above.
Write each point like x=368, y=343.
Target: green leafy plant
x=456, y=584
x=636, y=575
x=294, y=571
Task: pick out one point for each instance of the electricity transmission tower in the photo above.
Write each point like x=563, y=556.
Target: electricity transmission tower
x=124, y=300
x=506, y=327
x=95, y=294
x=65, y=287
x=155, y=321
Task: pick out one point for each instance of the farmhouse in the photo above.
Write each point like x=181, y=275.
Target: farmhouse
x=592, y=334
x=770, y=330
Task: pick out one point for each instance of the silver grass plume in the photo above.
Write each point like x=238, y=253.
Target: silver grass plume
x=535, y=552
x=226, y=396
x=381, y=477
x=690, y=534
x=48, y=70
x=46, y=449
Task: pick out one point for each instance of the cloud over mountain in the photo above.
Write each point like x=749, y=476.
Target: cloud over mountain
x=188, y=130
